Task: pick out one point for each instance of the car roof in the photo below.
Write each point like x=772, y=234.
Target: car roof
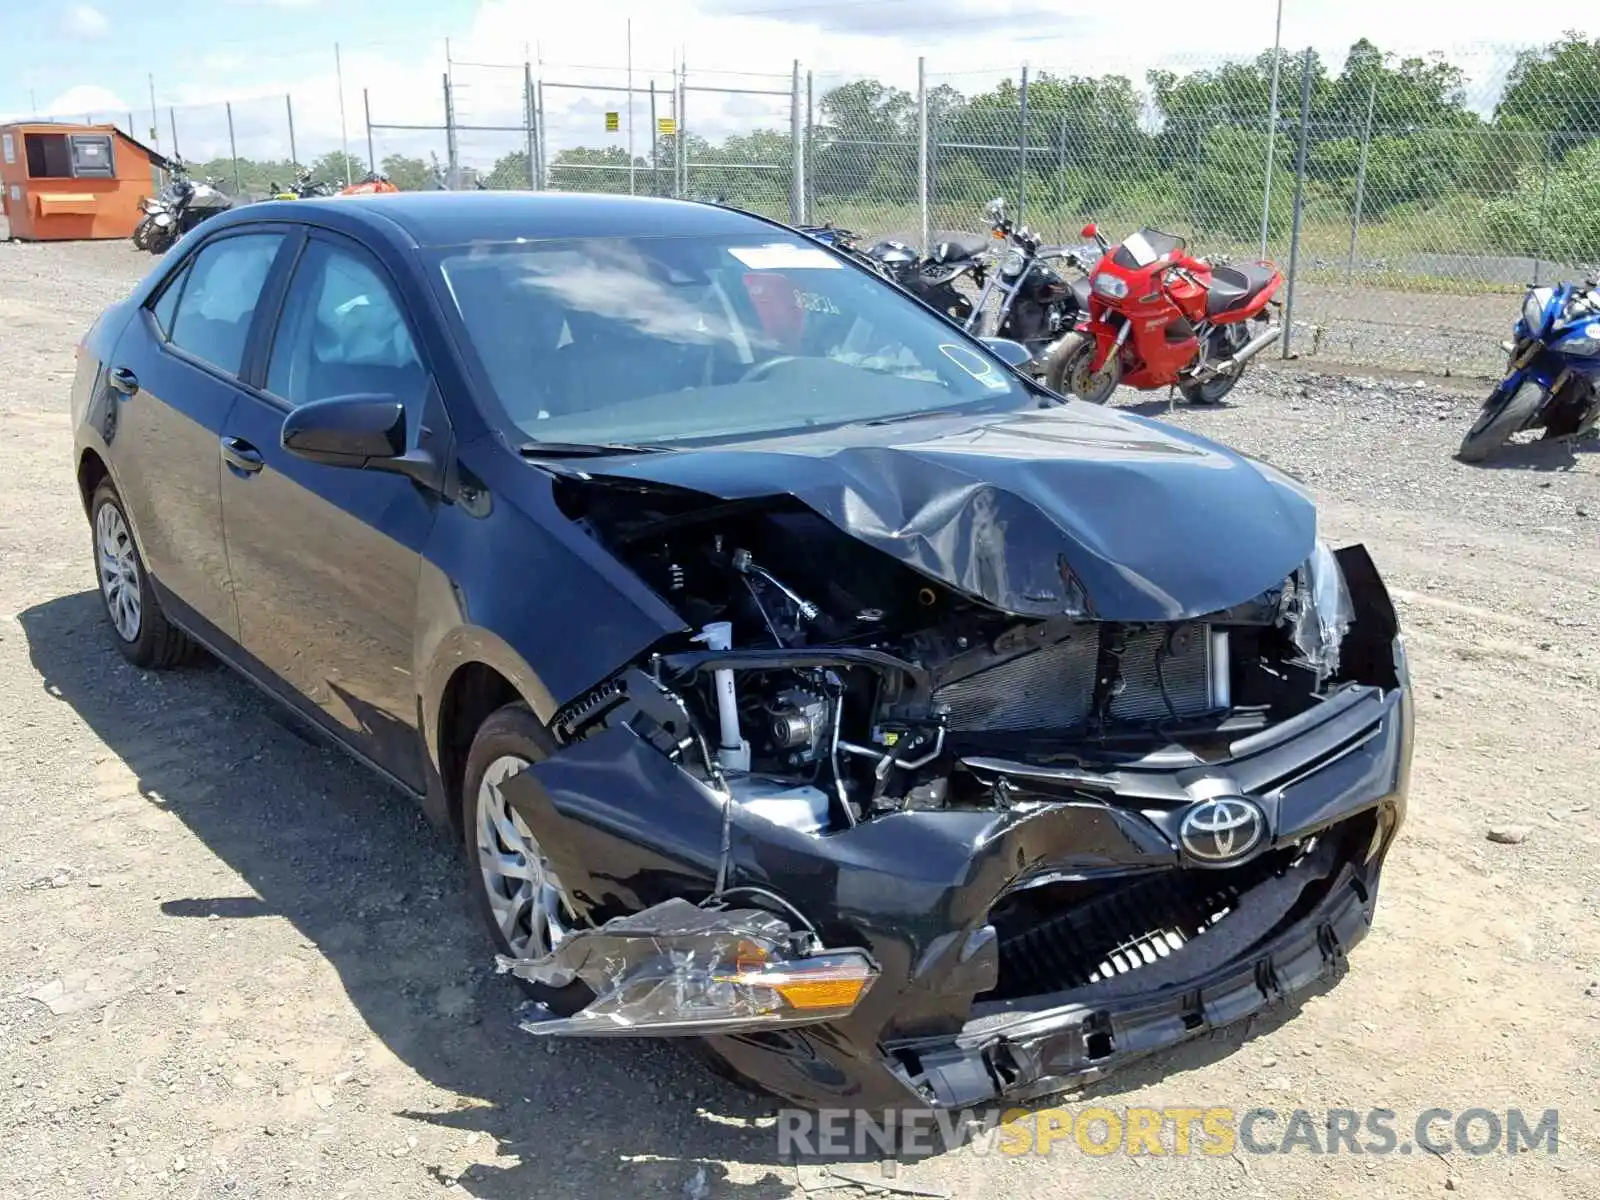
x=457, y=218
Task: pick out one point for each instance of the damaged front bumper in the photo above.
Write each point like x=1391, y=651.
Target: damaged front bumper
x=905, y=906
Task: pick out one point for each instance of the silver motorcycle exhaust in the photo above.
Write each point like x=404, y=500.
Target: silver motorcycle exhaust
x=1241, y=356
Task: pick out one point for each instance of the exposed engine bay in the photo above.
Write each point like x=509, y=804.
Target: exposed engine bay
x=825, y=682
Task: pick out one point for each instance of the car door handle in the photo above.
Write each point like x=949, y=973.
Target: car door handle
x=241, y=455
x=123, y=380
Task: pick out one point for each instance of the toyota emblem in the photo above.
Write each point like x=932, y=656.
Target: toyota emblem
x=1222, y=830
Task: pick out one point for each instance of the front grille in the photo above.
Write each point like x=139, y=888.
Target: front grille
x=1054, y=687
x=1118, y=929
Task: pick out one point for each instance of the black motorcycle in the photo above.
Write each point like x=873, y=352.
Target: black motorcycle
x=176, y=209
x=932, y=279
x=1037, y=303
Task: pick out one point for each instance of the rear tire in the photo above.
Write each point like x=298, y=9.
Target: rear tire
x=1066, y=370
x=1211, y=391
x=1501, y=416
x=143, y=633
x=503, y=854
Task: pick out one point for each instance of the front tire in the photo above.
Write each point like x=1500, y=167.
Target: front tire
x=1501, y=416
x=514, y=889
x=143, y=633
x=141, y=233
x=1067, y=370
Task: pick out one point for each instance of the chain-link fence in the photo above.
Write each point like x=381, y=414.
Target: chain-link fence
x=1408, y=197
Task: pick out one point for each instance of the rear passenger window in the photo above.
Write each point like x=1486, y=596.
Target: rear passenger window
x=167, y=304
x=341, y=333
x=213, y=315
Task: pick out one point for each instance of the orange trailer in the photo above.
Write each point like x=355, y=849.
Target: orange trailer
x=62, y=182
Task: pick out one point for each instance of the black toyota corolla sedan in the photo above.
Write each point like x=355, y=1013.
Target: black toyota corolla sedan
x=796, y=675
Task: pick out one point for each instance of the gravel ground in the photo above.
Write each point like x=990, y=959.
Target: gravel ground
x=271, y=985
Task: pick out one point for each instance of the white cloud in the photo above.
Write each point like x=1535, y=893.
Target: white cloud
x=86, y=21
x=88, y=100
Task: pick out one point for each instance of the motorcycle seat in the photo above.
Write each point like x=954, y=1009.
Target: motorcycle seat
x=1234, y=287
x=954, y=251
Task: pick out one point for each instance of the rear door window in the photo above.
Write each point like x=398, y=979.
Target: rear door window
x=212, y=318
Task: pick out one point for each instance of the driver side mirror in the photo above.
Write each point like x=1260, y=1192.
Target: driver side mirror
x=362, y=431
x=346, y=431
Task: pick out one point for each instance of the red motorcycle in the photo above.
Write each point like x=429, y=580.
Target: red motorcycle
x=1159, y=318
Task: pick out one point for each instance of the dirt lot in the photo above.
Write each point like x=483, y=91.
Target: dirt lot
x=278, y=991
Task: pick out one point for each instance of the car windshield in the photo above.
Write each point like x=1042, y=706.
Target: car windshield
x=663, y=339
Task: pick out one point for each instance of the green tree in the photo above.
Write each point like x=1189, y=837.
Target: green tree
x=337, y=168
x=1552, y=212
x=407, y=174
x=509, y=173
x=1556, y=89
x=583, y=169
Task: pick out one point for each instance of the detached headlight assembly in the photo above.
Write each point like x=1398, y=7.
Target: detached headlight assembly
x=1317, y=610
x=681, y=969
x=1110, y=285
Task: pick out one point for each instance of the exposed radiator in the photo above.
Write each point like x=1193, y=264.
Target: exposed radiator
x=1053, y=688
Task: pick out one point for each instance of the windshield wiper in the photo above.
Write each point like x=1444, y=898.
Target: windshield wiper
x=583, y=449
x=919, y=415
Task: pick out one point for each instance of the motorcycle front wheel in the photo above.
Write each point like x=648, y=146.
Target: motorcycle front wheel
x=141, y=233
x=1502, y=415
x=1068, y=370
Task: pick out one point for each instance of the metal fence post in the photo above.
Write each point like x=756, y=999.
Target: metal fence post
x=366, y=111
x=344, y=135
x=451, y=160
x=811, y=133
x=683, y=125
x=1361, y=182
x=1544, y=196
x=544, y=141
x=655, y=143
x=233, y=148
x=797, y=152
x=922, y=151
x=288, y=108
x=1022, y=144
x=532, y=112
x=1299, y=200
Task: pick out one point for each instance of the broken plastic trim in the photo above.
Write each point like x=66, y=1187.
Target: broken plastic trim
x=676, y=968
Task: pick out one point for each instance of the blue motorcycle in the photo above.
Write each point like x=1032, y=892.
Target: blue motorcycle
x=1550, y=378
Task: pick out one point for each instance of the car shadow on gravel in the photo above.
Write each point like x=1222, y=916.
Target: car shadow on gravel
x=369, y=884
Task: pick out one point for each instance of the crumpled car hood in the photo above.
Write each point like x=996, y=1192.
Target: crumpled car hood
x=1037, y=513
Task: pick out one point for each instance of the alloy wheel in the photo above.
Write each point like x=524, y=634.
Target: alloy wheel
x=119, y=572
x=526, y=898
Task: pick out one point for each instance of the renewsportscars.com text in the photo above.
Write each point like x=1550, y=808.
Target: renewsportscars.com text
x=1170, y=1131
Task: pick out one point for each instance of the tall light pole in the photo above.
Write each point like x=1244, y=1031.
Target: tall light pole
x=1272, y=130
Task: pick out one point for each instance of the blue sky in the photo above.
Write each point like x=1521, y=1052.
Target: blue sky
x=188, y=44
